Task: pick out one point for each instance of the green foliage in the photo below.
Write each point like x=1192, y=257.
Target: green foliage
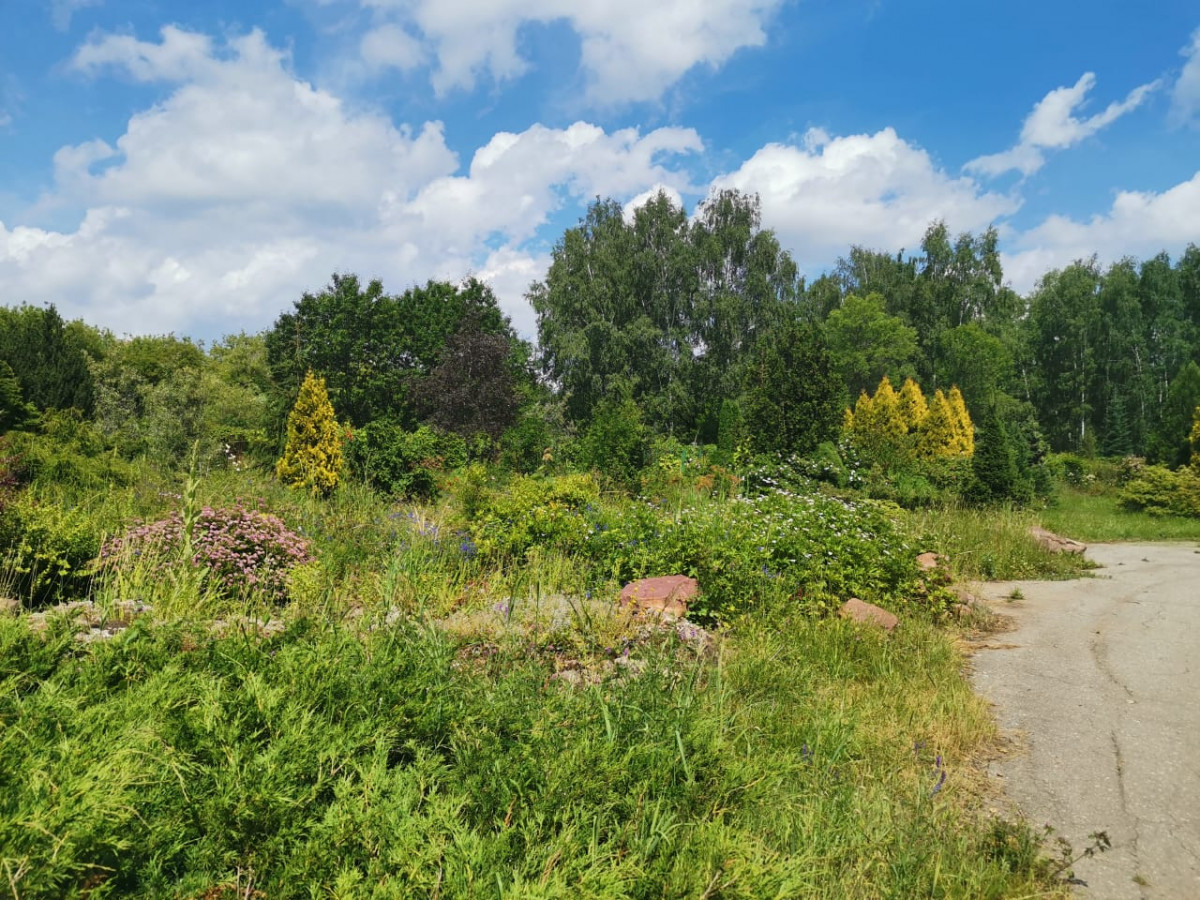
x=666, y=308
x=68, y=451
x=866, y=344
x=792, y=397
x=14, y=411
x=329, y=760
x=48, y=358
x=994, y=465
x=1161, y=492
x=616, y=442
x=524, y=446
x=312, y=459
x=404, y=463
x=1170, y=445
x=46, y=549
x=546, y=513
x=369, y=345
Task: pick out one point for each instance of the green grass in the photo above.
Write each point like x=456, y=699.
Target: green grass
x=1096, y=516
x=991, y=544
x=804, y=762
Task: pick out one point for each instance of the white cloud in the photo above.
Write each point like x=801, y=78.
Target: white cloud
x=1140, y=223
x=390, y=46
x=62, y=11
x=875, y=190
x=246, y=186
x=1053, y=124
x=1185, y=97
x=631, y=50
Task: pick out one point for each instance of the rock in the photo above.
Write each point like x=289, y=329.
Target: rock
x=666, y=595
x=929, y=561
x=1048, y=540
x=867, y=613
x=10, y=606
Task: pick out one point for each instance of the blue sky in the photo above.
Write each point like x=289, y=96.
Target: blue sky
x=194, y=168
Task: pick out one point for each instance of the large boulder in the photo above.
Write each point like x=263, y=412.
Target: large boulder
x=667, y=595
x=868, y=614
x=1048, y=540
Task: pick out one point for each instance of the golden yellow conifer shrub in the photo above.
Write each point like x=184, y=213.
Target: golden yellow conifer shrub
x=312, y=458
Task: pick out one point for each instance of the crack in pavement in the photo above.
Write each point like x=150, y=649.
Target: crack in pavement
x=1101, y=683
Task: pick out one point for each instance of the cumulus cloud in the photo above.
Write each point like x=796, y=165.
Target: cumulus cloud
x=1140, y=223
x=246, y=186
x=828, y=193
x=1053, y=124
x=1185, y=96
x=631, y=50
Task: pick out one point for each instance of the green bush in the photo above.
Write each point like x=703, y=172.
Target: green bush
x=616, y=442
x=552, y=513
x=48, y=549
x=1161, y=492
x=404, y=463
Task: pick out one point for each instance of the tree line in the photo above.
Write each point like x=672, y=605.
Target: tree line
x=695, y=328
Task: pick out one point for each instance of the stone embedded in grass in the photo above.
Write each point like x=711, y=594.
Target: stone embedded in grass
x=667, y=595
x=1048, y=540
x=869, y=614
x=929, y=561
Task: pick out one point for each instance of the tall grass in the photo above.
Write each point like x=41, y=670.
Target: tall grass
x=1097, y=516
x=991, y=543
x=813, y=760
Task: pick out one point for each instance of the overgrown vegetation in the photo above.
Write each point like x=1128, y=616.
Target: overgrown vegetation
x=332, y=610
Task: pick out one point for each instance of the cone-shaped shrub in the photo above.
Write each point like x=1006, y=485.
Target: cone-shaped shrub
x=937, y=437
x=913, y=407
x=964, y=428
x=312, y=459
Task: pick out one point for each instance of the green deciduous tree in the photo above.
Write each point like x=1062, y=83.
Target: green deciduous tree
x=369, y=345
x=866, y=343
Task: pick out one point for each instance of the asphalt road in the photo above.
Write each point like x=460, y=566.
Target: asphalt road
x=1100, y=684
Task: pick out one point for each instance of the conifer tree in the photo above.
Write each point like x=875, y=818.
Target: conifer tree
x=1194, y=439
x=938, y=436
x=312, y=458
x=994, y=467
x=913, y=407
x=889, y=421
x=964, y=429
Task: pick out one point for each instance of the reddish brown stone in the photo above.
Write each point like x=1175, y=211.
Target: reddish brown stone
x=667, y=595
x=867, y=613
x=927, y=561
x=1054, y=543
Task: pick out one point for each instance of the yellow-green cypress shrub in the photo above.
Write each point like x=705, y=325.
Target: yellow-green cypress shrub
x=964, y=428
x=938, y=435
x=312, y=458
x=913, y=406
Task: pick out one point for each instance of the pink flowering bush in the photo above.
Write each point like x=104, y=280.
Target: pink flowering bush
x=241, y=548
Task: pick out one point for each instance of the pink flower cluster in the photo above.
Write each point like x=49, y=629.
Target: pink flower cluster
x=242, y=548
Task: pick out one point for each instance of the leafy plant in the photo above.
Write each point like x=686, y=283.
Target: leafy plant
x=241, y=549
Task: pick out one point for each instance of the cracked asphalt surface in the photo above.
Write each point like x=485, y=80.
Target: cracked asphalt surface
x=1100, y=684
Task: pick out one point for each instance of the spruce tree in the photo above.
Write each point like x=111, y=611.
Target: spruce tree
x=14, y=411
x=994, y=465
x=312, y=458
